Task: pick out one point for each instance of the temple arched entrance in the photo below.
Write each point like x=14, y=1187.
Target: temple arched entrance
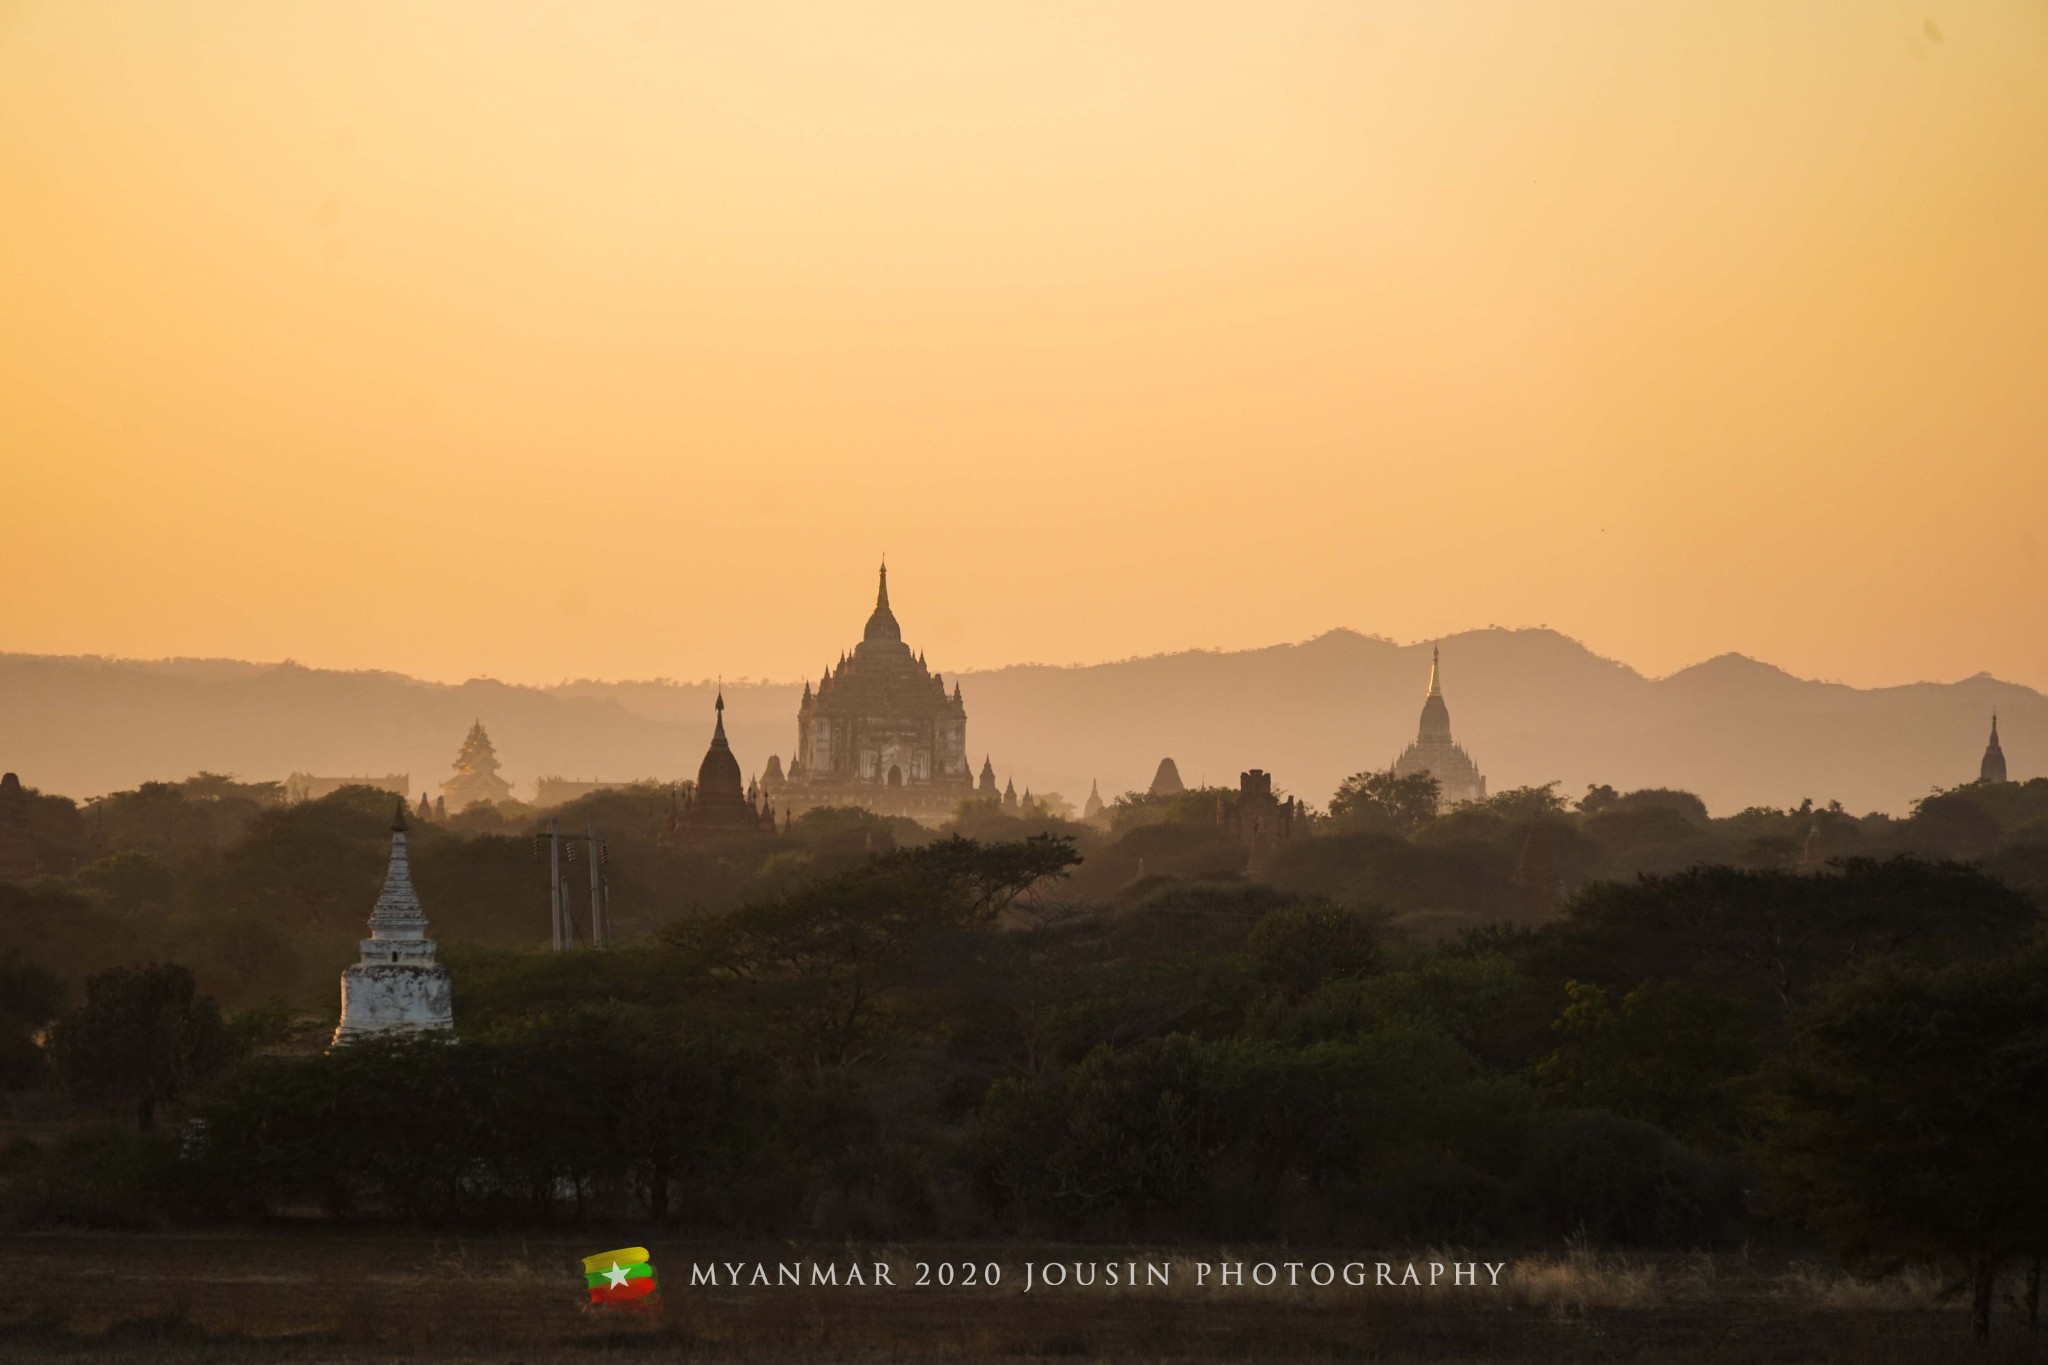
x=895, y=775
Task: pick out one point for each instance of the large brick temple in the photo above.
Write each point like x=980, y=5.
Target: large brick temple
x=880, y=731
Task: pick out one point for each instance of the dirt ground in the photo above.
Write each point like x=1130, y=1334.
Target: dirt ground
x=332, y=1296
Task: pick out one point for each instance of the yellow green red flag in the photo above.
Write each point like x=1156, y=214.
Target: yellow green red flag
x=621, y=1277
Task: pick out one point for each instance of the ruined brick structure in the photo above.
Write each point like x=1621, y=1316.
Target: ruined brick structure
x=18, y=860
x=1260, y=820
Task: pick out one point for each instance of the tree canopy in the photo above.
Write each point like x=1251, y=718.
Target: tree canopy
x=1910, y=1112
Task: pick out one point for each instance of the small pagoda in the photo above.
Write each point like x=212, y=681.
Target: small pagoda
x=1094, y=809
x=1992, y=769
x=396, y=986
x=1166, y=782
x=720, y=801
x=476, y=777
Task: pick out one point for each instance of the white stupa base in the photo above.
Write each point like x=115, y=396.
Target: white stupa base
x=394, y=997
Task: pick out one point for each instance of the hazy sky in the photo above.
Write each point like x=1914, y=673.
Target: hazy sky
x=586, y=339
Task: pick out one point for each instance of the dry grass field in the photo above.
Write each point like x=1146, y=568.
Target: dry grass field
x=330, y=1296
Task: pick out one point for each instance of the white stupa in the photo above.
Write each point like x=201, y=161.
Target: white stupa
x=397, y=986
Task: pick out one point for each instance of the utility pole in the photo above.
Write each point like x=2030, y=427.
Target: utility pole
x=563, y=849
x=600, y=907
x=568, y=896
x=555, y=880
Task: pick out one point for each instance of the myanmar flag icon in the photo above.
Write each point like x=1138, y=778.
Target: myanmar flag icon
x=622, y=1279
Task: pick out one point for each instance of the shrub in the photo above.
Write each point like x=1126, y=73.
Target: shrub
x=106, y=1176
x=1617, y=1180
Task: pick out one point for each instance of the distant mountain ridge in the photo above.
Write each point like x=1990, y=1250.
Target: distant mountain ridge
x=1530, y=706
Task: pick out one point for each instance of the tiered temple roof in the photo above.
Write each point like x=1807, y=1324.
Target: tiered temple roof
x=880, y=730
x=1436, y=753
x=476, y=773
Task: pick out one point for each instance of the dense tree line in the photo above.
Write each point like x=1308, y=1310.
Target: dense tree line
x=865, y=1028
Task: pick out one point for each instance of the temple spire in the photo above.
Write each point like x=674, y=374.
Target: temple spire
x=1435, y=752
x=721, y=797
x=397, y=914
x=1993, y=767
x=882, y=627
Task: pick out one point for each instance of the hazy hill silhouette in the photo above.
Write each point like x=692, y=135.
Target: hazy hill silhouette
x=1529, y=705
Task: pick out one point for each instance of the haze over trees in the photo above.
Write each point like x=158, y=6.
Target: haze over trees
x=1530, y=705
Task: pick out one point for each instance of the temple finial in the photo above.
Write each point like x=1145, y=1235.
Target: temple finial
x=882, y=627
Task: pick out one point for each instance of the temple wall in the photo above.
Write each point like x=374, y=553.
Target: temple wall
x=1458, y=777
x=384, y=997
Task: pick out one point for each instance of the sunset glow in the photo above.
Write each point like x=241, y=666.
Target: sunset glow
x=622, y=340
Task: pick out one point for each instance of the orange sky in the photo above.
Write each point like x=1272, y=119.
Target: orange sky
x=594, y=339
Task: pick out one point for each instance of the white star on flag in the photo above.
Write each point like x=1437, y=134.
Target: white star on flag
x=615, y=1275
